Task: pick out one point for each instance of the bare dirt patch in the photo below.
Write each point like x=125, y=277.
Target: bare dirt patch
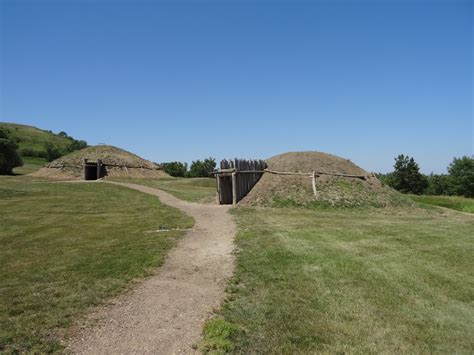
x=166, y=312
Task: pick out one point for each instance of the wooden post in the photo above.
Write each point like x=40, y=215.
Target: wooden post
x=314, y=184
x=218, y=188
x=84, y=163
x=99, y=168
x=234, y=188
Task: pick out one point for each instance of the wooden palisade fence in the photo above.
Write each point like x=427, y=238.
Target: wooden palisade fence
x=235, y=179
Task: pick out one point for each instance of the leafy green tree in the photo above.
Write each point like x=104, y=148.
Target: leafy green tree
x=52, y=152
x=387, y=179
x=461, y=171
x=202, y=168
x=76, y=145
x=9, y=157
x=407, y=177
x=175, y=168
x=439, y=185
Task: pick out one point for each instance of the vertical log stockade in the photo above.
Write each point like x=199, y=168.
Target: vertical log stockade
x=235, y=179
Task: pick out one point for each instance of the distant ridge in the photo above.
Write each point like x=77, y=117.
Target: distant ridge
x=33, y=141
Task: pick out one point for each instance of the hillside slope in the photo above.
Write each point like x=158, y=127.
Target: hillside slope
x=32, y=141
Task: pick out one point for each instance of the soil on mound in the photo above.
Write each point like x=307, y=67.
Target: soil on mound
x=338, y=191
x=307, y=162
x=117, y=162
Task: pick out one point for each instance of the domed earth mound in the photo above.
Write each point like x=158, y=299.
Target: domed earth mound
x=117, y=162
x=280, y=190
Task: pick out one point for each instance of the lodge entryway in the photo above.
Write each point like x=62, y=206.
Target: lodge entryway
x=225, y=187
x=93, y=170
x=236, y=178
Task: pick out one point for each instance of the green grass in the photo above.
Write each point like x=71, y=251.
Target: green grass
x=388, y=281
x=458, y=203
x=68, y=246
x=30, y=165
x=34, y=138
x=189, y=189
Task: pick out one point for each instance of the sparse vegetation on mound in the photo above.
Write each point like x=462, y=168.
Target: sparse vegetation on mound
x=119, y=163
x=303, y=162
x=332, y=191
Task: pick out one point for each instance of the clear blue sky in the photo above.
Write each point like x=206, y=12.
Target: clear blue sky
x=182, y=80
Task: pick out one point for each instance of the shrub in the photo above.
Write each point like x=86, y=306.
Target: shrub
x=439, y=185
x=53, y=152
x=387, y=179
x=202, y=168
x=461, y=171
x=76, y=145
x=9, y=157
x=30, y=152
x=175, y=168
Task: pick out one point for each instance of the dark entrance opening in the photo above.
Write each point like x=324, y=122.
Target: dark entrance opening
x=93, y=170
x=90, y=172
x=225, y=190
x=236, y=178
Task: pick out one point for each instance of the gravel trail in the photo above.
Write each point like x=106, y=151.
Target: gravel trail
x=165, y=313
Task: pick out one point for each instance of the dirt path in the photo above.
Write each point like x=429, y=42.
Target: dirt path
x=166, y=312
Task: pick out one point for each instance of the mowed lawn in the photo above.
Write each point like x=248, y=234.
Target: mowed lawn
x=68, y=246
x=201, y=190
x=349, y=282
x=458, y=203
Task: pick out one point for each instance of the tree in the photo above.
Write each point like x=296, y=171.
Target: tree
x=76, y=145
x=439, y=185
x=52, y=152
x=407, y=177
x=387, y=179
x=202, y=168
x=461, y=171
x=175, y=168
x=9, y=157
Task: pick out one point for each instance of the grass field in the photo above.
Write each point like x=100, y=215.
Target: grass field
x=349, y=282
x=189, y=189
x=458, y=203
x=30, y=164
x=332, y=281
x=69, y=246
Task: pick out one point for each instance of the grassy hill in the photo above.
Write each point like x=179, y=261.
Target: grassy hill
x=33, y=141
